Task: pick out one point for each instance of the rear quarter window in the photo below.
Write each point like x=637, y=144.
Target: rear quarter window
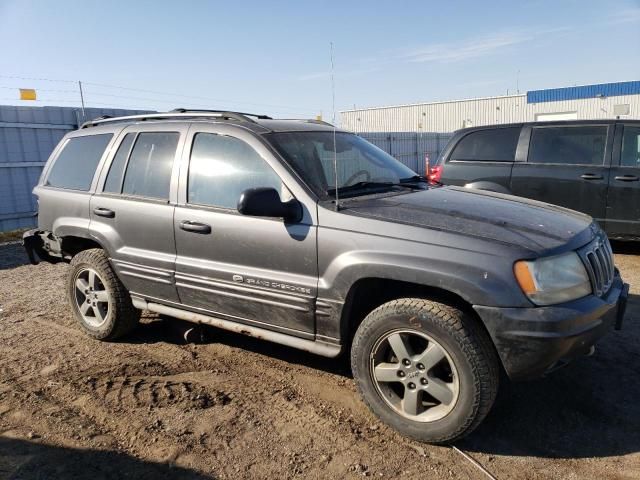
x=491, y=145
x=76, y=164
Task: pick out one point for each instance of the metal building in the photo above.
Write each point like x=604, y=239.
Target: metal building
x=27, y=137
x=415, y=131
x=607, y=100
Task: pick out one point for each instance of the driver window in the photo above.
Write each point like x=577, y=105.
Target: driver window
x=222, y=167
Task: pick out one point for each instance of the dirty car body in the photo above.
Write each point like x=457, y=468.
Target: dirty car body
x=307, y=271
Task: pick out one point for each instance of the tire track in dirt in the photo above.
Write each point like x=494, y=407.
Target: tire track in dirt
x=258, y=416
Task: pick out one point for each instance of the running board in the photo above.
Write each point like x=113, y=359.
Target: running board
x=311, y=346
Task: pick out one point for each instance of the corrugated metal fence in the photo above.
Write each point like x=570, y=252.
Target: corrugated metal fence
x=410, y=148
x=27, y=137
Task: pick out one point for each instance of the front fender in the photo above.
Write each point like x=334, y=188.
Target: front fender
x=480, y=279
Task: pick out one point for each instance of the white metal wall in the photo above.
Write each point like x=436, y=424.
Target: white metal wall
x=450, y=116
x=28, y=135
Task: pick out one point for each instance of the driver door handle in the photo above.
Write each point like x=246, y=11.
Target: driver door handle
x=195, y=227
x=591, y=176
x=627, y=178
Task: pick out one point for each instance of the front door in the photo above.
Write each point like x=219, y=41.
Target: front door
x=259, y=271
x=567, y=166
x=623, y=207
x=133, y=212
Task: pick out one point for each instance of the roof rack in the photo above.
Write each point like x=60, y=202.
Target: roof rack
x=179, y=113
x=319, y=122
x=309, y=120
x=191, y=110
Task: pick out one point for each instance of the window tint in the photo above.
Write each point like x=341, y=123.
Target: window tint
x=149, y=168
x=75, y=166
x=630, y=147
x=222, y=167
x=568, y=145
x=116, y=171
x=497, y=145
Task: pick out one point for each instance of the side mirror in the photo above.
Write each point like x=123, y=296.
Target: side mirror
x=265, y=202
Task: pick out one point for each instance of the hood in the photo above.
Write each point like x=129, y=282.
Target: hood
x=504, y=218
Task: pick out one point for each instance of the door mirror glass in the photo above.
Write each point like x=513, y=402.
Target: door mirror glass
x=265, y=202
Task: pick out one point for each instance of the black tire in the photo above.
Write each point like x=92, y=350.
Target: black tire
x=121, y=316
x=465, y=344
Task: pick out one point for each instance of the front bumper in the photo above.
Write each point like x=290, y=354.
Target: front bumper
x=532, y=341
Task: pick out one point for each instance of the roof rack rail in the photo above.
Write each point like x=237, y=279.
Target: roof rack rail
x=179, y=113
x=310, y=120
x=192, y=110
x=319, y=122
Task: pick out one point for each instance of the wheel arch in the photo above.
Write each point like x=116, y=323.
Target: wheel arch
x=367, y=294
x=73, y=244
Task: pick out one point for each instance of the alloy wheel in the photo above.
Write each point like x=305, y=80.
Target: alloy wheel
x=414, y=375
x=92, y=297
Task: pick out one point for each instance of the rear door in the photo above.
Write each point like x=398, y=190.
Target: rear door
x=255, y=270
x=482, y=159
x=132, y=212
x=623, y=206
x=567, y=165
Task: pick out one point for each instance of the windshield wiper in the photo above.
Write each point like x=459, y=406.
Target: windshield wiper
x=418, y=178
x=414, y=179
x=361, y=186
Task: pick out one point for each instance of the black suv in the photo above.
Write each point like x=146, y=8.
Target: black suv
x=590, y=166
x=245, y=223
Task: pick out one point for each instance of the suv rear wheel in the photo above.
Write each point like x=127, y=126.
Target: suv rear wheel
x=99, y=300
x=425, y=368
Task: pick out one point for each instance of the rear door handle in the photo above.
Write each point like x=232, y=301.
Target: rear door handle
x=591, y=176
x=195, y=227
x=627, y=178
x=104, y=212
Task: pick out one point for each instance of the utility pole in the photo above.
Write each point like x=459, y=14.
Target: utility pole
x=81, y=100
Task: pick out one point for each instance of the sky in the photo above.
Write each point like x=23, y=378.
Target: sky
x=273, y=57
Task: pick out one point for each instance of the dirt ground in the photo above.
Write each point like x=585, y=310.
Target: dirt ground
x=152, y=406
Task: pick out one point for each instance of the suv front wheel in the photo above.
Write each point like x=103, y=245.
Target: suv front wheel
x=425, y=368
x=99, y=301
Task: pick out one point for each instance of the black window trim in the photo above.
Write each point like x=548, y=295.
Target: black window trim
x=126, y=163
x=218, y=208
x=606, y=160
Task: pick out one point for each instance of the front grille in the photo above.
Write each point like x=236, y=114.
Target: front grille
x=598, y=259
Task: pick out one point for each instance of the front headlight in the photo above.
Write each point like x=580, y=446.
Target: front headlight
x=551, y=280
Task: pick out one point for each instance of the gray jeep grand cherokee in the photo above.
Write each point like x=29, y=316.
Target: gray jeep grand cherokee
x=242, y=222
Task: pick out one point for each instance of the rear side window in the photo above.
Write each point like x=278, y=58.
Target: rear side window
x=149, y=169
x=630, y=147
x=568, y=145
x=75, y=166
x=116, y=171
x=222, y=167
x=494, y=145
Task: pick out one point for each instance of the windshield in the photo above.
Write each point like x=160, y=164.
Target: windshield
x=361, y=165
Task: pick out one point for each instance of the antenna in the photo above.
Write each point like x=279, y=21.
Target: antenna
x=333, y=121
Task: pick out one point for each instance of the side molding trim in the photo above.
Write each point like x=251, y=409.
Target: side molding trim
x=316, y=347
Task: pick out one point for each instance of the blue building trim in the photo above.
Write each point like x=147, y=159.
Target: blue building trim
x=586, y=91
